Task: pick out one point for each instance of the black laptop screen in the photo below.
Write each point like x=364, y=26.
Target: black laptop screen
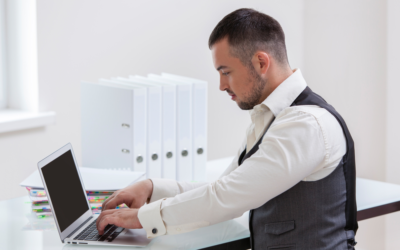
x=65, y=190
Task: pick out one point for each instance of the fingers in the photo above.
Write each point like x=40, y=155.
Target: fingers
x=113, y=201
x=106, y=201
x=102, y=214
x=107, y=218
x=107, y=204
x=134, y=196
x=126, y=218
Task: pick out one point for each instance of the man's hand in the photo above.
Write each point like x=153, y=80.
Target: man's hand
x=125, y=217
x=134, y=196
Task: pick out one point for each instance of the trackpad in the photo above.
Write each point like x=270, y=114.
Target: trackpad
x=133, y=237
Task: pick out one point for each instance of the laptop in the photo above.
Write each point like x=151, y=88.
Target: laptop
x=75, y=221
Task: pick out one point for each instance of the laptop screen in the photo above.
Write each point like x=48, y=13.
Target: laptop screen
x=65, y=190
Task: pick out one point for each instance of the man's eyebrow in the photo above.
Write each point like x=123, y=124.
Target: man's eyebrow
x=221, y=67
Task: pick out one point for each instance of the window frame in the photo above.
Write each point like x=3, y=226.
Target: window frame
x=3, y=57
x=19, y=85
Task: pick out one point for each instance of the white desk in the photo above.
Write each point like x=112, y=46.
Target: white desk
x=20, y=230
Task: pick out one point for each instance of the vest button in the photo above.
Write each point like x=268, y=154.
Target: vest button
x=154, y=231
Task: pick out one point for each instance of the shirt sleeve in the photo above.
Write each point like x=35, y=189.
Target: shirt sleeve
x=291, y=150
x=164, y=188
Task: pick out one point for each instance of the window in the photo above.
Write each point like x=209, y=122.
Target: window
x=18, y=67
x=3, y=87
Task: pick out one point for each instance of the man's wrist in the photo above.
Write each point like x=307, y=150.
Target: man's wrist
x=149, y=187
x=137, y=218
x=163, y=188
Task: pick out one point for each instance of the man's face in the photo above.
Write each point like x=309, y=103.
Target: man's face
x=243, y=84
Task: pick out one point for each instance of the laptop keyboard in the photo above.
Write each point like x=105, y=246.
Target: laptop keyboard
x=90, y=233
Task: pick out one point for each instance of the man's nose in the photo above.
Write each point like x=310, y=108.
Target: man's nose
x=223, y=84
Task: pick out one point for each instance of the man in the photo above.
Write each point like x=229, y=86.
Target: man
x=295, y=171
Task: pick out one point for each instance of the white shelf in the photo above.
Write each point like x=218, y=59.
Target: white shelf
x=13, y=120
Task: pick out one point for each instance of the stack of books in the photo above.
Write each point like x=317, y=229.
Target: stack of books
x=42, y=209
x=100, y=184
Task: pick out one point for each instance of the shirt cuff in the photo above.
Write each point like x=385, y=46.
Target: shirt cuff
x=164, y=188
x=150, y=218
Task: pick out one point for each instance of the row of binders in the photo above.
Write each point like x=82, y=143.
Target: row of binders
x=155, y=124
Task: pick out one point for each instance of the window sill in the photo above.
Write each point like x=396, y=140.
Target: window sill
x=13, y=120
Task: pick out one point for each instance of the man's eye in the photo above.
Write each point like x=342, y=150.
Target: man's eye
x=225, y=74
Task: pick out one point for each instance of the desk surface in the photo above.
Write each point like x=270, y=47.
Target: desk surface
x=21, y=230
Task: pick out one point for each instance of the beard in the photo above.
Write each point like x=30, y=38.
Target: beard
x=252, y=99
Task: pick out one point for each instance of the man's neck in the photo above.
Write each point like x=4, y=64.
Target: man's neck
x=277, y=76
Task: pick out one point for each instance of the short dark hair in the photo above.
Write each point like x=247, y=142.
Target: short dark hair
x=247, y=31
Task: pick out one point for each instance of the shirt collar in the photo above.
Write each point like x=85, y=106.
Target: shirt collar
x=285, y=94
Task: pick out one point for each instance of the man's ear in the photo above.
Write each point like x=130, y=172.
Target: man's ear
x=261, y=62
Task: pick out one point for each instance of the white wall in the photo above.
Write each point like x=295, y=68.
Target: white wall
x=393, y=116
x=339, y=45
x=87, y=40
x=345, y=62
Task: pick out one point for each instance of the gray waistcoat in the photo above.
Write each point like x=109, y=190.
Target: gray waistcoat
x=314, y=214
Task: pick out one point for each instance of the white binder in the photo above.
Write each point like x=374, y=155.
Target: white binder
x=108, y=124
x=154, y=119
x=168, y=155
x=199, y=147
x=184, y=156
x=137, y=121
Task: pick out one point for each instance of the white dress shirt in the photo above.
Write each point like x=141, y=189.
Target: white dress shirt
x=304, y=143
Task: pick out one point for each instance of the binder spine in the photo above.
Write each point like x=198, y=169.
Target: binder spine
x=199, y=131
x=169, y=132
x=184, y=133
x=154, y=133
x=140, y=130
